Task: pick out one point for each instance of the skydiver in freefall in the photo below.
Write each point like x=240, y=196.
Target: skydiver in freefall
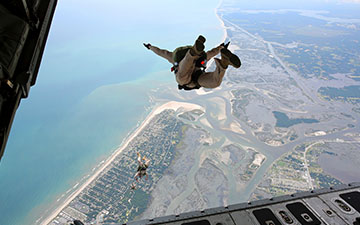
x=141, y=170
x=189, y=63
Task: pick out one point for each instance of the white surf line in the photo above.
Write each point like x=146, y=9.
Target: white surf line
x=38, y=219
x=77, y=184
x=175, y=105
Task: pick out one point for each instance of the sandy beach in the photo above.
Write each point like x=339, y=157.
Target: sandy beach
x=221, y=21
x=234, y=127
x=174, y=105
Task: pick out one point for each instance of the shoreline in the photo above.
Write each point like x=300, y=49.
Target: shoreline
x=221, y=21
x=175, y=105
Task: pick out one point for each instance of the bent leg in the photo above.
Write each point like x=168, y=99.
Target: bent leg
x=212, y=79
x=213, y=52
x=186, y=68
x=136, y=176
x=147, y=162
x=163, y=53
x=139, y=160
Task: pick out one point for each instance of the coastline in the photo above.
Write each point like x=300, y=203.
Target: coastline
x=174, y=105
x=221, y=21
x=59, y=175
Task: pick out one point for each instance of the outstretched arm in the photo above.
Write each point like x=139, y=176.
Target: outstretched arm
x=161, y=52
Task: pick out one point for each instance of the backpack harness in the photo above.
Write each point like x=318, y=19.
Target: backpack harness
x=142, y=169
x=200, y=65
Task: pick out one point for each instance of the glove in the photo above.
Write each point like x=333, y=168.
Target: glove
x=147, y=45
x=225, y=45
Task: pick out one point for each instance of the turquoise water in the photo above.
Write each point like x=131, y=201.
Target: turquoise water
x=92, y=90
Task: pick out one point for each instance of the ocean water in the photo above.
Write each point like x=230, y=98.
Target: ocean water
x=92, y=90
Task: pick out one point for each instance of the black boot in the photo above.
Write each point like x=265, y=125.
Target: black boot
x=201, y=38
x=198, y=47
x=228, y=58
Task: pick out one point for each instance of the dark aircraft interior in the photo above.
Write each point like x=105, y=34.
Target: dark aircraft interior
x=24, y=27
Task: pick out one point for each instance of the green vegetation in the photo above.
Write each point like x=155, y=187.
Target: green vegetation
x=287, y=173
x=183, y=131
x=324, y=180
x=301, y=147
x=282, y=164
x=316, y=172
x=241, y=100
x=349, y=93
x=111, y=192
x=293, y=137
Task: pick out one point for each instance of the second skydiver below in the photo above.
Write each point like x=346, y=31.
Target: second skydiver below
x=189, y=63
x=141, y=170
